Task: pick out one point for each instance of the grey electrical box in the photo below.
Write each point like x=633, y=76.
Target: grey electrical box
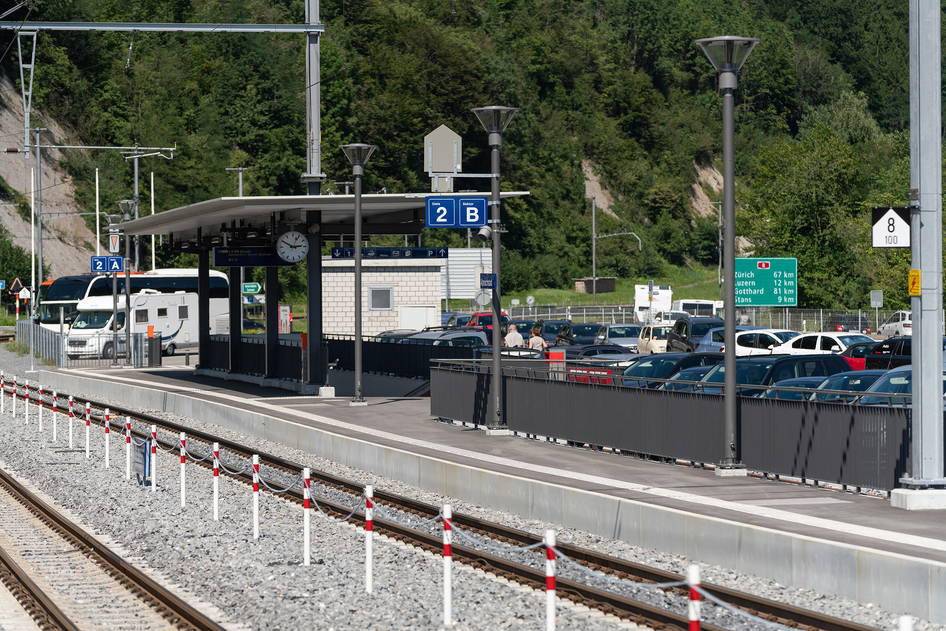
x=443, y=153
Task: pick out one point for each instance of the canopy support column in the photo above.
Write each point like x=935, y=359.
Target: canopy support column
x=272, y=320
x=203, y=303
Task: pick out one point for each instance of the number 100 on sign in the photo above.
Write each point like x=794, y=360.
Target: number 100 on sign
x=456, y=212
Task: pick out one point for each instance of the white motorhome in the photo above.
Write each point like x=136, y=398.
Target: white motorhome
x=710, y=308
x=174, y=317
x=646, y=304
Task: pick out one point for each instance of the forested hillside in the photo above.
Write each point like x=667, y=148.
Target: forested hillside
x=616, y=84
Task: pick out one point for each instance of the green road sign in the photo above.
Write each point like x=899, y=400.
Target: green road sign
x=250, y=288
x=766, y=282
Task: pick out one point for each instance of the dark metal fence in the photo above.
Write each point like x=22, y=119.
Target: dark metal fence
x=391, y=358
x=855, y=445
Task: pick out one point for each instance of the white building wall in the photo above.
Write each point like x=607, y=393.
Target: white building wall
x=462, y=269
x=416, y=297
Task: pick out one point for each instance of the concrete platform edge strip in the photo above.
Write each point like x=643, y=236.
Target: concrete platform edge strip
x=896, y=581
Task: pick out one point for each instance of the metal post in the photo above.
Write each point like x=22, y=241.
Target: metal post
x=272, y=318
x=127, y=300
x=315, y=358
x=114, y=319
x=203, y=303
x=926, y=195
x=594, y=248
x=313, y=176
x=727, y=86
x=235, y=301
x=137, y=240
x=98, y=224
x=38, y=197
x=358, y=172
x=153, y=253
x=498, y=422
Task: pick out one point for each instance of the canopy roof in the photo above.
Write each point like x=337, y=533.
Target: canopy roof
x=216, y=215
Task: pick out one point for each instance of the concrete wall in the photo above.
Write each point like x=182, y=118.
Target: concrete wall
x=416, y=286
x=897, y=582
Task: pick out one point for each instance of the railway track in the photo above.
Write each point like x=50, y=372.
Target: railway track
x=584, y=592
x=67, y=579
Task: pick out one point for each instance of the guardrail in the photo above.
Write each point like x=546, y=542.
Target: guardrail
x=856, y=445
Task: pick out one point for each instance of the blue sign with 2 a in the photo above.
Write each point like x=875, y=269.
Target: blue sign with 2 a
x=107, y=264
x=456, y=212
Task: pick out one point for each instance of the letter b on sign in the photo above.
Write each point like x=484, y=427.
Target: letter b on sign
x=473, y=212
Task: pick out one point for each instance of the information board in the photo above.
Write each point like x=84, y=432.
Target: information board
x=766, y=282
x=455, y=212
x=391, y=253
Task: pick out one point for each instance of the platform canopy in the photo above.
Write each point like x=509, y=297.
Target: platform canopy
x=398, y=213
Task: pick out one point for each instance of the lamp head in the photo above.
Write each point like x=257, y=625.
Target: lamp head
x=728, y=52
x=358, y=153
x=484, y=234
x=127, y=207
x=495, y=118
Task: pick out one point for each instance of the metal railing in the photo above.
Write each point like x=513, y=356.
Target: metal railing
x=52, y=347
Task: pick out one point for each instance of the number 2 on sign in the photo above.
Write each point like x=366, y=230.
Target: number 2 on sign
x=441, y=214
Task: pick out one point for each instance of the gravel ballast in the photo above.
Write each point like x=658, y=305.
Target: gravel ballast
x=862, y=612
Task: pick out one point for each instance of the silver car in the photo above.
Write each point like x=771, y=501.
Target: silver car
x=624, y=334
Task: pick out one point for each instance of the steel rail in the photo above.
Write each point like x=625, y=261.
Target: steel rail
x=173, y=608
x=785, y=614
x=40, y=607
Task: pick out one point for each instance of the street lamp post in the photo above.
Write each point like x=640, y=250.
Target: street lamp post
x=727, y=54
x=358, y=154
x=495, y=119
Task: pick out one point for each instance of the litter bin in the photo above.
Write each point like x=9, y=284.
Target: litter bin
x=154, y=352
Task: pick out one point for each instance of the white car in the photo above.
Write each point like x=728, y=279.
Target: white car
x=824, y=342
x=761, y=341
x=653, y=339
x=900, y=323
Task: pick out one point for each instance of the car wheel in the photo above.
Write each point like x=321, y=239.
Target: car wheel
x=108, y=351
x=169, y=351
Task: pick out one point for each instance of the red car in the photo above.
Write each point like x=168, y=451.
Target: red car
x=855, y=354
x=484, y=320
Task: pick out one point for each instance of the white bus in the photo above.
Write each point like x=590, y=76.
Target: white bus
x=65, y=292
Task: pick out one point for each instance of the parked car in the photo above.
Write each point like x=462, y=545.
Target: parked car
x=855, y=354
x=668, y=317
x=395, y=335
x=777, y=390
x=593, y=350
x=623, y=335
x=446, y=317
x=762, y=341
x=715, y=340
x=457, y=321
x=900, y=323
x=892, y=352
x=824, y=342
x=557, y=332
x=448, y=338
x=846, y=322
x=592, y=333
x=851, y=381
x=679, y=380
x=524, y=327
x=894, y=381
x=653, y=338
x=484, y=320
x=663, y=365
x=766, y=370
x=688, y=332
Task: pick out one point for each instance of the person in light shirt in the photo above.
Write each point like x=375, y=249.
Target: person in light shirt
x=513, y=337
x=537, y=342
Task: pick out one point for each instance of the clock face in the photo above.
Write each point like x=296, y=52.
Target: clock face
x=292, y=246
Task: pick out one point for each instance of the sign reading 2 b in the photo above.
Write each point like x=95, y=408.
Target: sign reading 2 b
x=456, y=212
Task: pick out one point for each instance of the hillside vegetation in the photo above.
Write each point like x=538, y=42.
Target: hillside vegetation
x=822, y=109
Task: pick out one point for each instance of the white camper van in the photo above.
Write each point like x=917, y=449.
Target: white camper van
x=174, y=317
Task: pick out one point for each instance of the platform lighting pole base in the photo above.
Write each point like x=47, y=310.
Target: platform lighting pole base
x=327, y=392
x=357, y=404
x=734, y=471
x=498, y=431
x=919, y=499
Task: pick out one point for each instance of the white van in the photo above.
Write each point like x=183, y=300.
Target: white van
x=174, y=317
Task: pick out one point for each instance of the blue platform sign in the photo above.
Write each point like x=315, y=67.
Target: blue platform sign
x=99, y=264
x=116, y=264
x=391, y=253
x=488, y=281
x=456, y=212
x=108, y=264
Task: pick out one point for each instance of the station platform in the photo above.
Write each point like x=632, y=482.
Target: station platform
x=846, y=544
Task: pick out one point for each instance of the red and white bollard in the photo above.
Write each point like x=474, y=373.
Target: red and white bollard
x=3, y=393
x=183, y=462
x=16, y=391
x=154, y=458
x=255, y=496
x=107, y=429
x=26, y=402
x=550, y=580
x=369, y=538
x=694, y=611
x=40, y=402
x=216, y=481
x=55, y=414
x=88, y=424
x=447, y=516
x=306, y=516
x=72, y=415
x=127, y=448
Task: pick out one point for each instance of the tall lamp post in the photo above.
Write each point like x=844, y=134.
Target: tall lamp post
x=495, y=119
x=358, y=154
x=727, y=54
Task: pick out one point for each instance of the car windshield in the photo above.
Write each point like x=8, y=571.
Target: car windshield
x=748, y=373
x=651, y=367
x=850, y=383
x=660, y=332
x=92, y=320
x=624, y=331
x=701, y=329
x=847, y=340
x=586, y=330
x=552, y=327
x=786, y=335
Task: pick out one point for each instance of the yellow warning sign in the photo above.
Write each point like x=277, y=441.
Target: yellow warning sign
x=913, y=283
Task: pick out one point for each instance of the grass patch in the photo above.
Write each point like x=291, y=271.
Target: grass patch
x=10, y=195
